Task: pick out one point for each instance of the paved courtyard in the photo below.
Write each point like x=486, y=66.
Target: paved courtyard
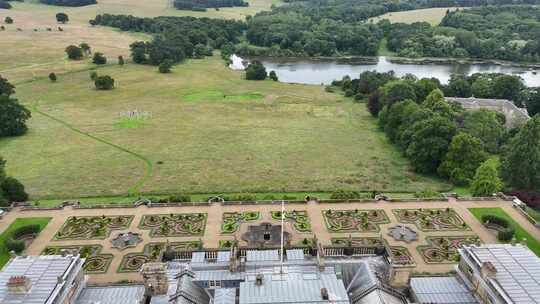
x=212, y=233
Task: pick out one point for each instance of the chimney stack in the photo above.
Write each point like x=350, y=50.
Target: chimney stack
x=324, y=294
x=19, y=284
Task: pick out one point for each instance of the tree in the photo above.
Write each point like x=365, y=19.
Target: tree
x=424, y=86
x=508, y=87
x=458, y=86
x=6, y=88
x=485, y=125
x=93, y=75
x=13, y=117
x=273, y=76
x=482, y=87
x=165, y=66
x=464, y=155
x=520, y=165
x=62, y=18
x=85, y=48
x=486, y=180
x=436, y=103
x=533, y=102
x=199, y=51
x=397, y=90
x=52, y=77
x=13, y=190
x=8, y=20
x=105, y=82
x=120, y=60
x=374, y=104
x=429, y=142
x=99, y=58
x=256, y=71
x=74, y=52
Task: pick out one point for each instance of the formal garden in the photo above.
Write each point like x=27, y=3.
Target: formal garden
x=299, y=219
x=444, y=249
x=92, y=227
x=342, y=221
x=96, y=262
x=226, y=244
x=174, y=224
x=152, y=252
x=434, y=219
x=357, y=241
x=400, y=255
x=231, y=220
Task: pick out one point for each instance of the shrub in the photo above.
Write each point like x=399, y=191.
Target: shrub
x=8, y=20
x=13, y=190
x=329, y=89
x=165, y=66
x=180, y=198
x=273, y=76
x=241, y=197
x=121, y=60
x=93, y=75
x=62, y=18
x=505, y=231
x=427, y=194
x=52, y=77
x=104, y=82
x=345, y=195
x=13, y=244
x=99, y=58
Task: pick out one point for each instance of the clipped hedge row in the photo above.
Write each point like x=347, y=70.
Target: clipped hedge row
x=13, y=244
x=505, y=231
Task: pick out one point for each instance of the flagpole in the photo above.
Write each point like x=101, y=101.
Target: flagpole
x=282, y=222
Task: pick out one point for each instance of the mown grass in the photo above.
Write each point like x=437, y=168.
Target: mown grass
x=251, y=137
x=521, y=233
x=19, y=222
x=431, y=15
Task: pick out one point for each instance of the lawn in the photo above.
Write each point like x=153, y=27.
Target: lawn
x=4, y=254
x=431, y=15
x=521, y=233
x=206, y=130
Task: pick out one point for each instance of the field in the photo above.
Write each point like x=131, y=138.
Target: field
x=41, y=221
x=201, y=129
x=521, y=233
x=431, y=15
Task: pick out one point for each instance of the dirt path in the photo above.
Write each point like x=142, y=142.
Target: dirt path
x=213, y=228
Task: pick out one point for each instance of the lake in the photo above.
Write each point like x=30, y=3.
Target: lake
x=324, y=71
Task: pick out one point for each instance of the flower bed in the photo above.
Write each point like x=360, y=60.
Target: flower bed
x=232, y=220
x=401, y=256
x=92, y=227
x=95, y=261
x=299, y=219
x=174, y=224
x=342, y=221
x=432, y=219
x=444, y=249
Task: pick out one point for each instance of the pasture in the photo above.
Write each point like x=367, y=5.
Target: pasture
x=431, y=15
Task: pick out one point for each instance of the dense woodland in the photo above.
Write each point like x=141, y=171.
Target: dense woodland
x=202, y=5
x=176, y=38
x=69, y=2
x=503, y=32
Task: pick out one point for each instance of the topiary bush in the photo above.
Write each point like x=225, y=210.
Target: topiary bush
x=13, y=190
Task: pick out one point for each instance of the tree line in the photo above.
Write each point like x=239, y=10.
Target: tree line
x=490, y=32
x=202, y=5
x=469, y=148
x=176, y=38
x=74, y=3
x=13, y=117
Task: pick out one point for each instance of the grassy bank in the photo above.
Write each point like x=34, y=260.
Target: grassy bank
x=4, y=253
x=432, y=16
x=521, y=233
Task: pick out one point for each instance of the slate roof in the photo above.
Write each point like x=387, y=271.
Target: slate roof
x=439, y=290
x=43, y=272
x=518, y=270
x=130, y=294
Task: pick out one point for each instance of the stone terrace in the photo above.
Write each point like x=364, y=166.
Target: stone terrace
x=212, y=234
